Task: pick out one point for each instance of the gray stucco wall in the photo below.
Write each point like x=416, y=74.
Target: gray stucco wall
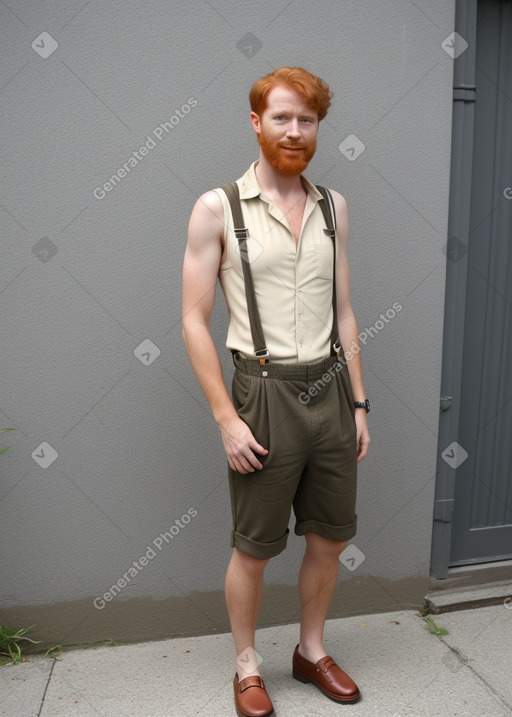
x=85, y=281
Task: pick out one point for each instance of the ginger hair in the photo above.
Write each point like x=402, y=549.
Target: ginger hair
x=313, y=89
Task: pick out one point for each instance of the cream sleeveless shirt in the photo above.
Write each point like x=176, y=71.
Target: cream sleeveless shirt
x=293, y=284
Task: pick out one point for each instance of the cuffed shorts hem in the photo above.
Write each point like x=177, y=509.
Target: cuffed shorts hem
x=332, y=532
x=263, y=551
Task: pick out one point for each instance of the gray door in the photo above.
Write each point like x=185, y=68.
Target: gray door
x=474, y=489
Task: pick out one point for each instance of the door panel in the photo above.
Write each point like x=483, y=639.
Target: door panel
x=482, y=508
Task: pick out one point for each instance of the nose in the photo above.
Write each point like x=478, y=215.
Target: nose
x=293, y=130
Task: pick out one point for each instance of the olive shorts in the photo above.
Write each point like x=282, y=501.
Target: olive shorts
x=304, y=415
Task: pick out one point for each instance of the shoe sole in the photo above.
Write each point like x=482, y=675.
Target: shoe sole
x=306, y=680
x=242, y=714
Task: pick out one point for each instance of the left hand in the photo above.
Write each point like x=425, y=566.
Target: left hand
x=363, y=434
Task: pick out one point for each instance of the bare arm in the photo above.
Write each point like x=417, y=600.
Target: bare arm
x=200, y=269
x=347, y=325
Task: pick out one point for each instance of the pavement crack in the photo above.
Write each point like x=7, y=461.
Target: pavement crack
x=46, y=689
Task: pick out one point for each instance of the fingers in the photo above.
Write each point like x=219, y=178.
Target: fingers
x=363, y=441
x=362, y=453
x=241, y=448
x=363, y=445
x=244, y=466
x=257, y=448
x=245, y=460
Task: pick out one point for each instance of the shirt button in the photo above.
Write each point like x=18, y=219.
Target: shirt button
x=264, y=373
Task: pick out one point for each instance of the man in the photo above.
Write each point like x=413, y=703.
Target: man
x=297, y=424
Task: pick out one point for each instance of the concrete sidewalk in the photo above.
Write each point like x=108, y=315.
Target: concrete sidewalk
x=401, y=668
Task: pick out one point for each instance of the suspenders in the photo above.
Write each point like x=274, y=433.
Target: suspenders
x=260, y=349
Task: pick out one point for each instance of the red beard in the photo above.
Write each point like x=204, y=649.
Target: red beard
x=287, y=163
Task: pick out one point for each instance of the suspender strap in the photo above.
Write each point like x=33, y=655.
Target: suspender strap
x=260, y=349
x=242, y=234
x=327, y=207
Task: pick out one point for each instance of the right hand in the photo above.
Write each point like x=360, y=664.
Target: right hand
x=241, y=446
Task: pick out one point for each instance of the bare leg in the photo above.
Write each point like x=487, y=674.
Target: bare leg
x=244, y=589
x=317, y=580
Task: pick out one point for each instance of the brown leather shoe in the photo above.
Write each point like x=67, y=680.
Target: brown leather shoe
x=251, y=698
x=327, y=676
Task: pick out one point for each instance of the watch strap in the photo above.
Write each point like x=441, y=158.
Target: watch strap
x=363, y=404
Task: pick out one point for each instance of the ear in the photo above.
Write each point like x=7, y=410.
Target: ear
x=255, y=122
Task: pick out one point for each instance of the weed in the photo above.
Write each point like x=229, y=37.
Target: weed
x=9, y=643
x=434, y=628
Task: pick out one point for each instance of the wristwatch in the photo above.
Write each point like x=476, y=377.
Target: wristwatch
x=363, y=404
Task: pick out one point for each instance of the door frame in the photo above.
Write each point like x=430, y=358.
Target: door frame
x=456, y=277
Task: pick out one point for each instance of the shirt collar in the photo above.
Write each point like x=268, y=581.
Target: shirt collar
x=250, y=188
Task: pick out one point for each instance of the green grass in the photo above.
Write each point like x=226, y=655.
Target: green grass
x=10, y=644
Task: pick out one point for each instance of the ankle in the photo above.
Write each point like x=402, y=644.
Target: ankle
x=247, y=663
x=311, y=651
x=242, y=674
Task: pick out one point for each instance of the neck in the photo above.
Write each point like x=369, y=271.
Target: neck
x=273, y=182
